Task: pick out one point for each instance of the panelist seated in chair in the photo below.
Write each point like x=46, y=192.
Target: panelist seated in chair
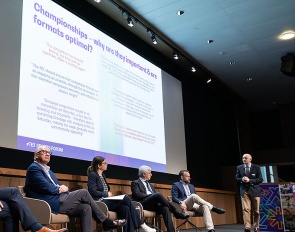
x=41, y=183
x=145, y=193
x=99, y=190
x=184, y=194
x=13, y=209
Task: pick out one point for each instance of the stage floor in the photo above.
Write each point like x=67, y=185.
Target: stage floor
x=222, y=228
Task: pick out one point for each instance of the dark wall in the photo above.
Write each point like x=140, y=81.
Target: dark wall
x=210, y=120
x=273, y=136
x=211, y=135
x=266, y=131
x=286, y=173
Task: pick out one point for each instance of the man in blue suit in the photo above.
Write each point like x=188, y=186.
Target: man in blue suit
x=249, y=177
x=41, y=183
x=185, y=195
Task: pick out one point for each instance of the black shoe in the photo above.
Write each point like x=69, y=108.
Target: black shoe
x=247, y=230
x=116, y=225
x=179, y=215
x=218, y=210
x=211, y=230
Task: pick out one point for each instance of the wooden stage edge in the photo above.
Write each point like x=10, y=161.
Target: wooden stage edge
x=68, y=177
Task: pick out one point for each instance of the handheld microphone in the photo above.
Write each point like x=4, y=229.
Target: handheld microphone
x=276, y=177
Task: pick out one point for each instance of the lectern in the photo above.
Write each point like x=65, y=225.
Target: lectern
x=277, y=210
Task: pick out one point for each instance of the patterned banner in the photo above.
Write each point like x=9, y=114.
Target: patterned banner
x=270, y=208
x=277, y=210
x=287, y=200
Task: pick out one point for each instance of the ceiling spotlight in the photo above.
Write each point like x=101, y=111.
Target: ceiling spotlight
x=209, y=80
x=288, y=35
x=180, y=12
x=149, y=33
x=193, y=69
x=130, y=21
x=210, y=41
x=154, y=39
x=175, y=55
x=152, y=35
x=98, y=1
x=232, y=62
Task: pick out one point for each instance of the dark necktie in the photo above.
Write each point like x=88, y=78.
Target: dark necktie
x=148, y=186
x=247, y=170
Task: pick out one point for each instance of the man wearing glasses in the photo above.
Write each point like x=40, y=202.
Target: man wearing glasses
x=41, y=183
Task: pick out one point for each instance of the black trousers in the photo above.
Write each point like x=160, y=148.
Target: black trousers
x=125, y=210
x=15, y=209
x=158, y=203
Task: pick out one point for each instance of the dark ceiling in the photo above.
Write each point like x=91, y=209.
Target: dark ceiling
x=243, y=32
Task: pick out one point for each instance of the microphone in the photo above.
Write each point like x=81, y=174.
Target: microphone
x=276, y=177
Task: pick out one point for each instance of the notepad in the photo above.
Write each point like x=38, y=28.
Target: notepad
x=119, y=197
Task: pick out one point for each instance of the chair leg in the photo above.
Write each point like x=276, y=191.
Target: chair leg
x=157, y=224
x=178, y=228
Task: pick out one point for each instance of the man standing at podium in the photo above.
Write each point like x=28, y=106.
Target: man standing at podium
x=249, y=177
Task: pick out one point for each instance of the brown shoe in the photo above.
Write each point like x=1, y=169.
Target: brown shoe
x=247, y=230
x=46, y=229
x=256, y=229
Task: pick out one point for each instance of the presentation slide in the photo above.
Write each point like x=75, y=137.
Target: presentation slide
x=82, y=94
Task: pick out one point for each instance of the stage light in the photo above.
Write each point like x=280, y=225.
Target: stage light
x=152, y=35
x=154, y=39
x=130, y=21
x=175, y=55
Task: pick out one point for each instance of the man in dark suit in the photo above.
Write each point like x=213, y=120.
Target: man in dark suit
x=145, y=193
x=41, y=183
x=185, y=195
x=13, y=209
x=249, y=177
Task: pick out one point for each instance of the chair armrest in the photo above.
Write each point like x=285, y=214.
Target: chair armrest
x=138, y=206
x=40, y=209
x=176, y=205
x=103, y=207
